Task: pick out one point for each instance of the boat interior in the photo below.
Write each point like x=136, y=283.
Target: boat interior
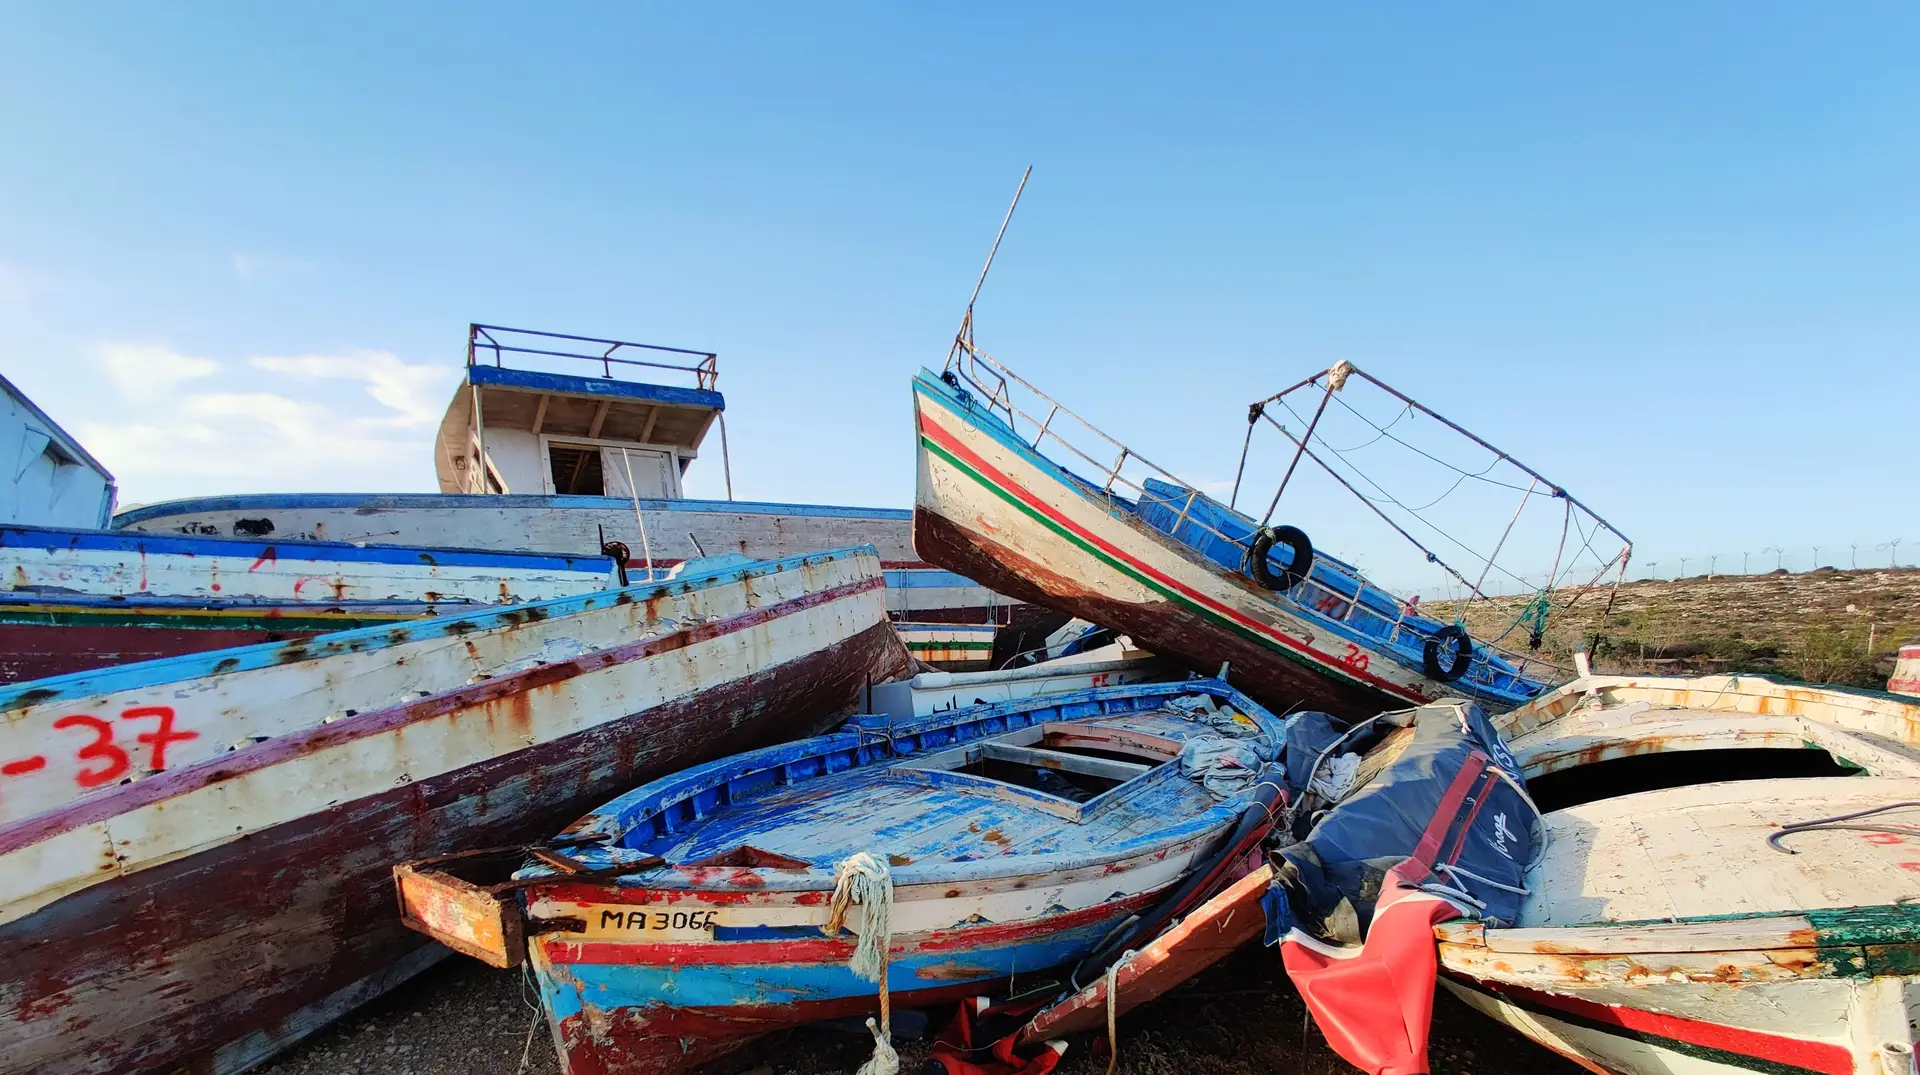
x=1669, y=800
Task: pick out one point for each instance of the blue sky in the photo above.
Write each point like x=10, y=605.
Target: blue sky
x=1668, y=254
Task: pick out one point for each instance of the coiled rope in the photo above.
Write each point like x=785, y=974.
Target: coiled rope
x=862, y=880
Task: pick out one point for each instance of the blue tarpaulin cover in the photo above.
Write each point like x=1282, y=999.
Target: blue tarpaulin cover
x=1448, y=810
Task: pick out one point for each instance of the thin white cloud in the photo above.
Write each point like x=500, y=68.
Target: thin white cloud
x=411, y=392
x=289, y=423
x=142, y=372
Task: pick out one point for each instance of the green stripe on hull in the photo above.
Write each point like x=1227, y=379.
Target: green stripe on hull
x=1174, y=596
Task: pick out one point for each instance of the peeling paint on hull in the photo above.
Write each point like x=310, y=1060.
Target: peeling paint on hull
x=211, y=959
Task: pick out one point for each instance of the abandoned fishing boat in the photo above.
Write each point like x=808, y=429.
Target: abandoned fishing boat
x=1179, y=572
x=73, y=600
x=707, y=908
x=196, y=853
x=534, y=454
x=1729, y=884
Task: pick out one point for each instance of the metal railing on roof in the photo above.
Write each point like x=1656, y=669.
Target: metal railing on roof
x=502, y=341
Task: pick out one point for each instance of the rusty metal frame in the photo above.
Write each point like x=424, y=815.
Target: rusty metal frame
x=1257, y=411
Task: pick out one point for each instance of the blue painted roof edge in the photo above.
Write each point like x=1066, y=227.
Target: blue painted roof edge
x=541, y=381
x=245, y=658
x=47, y=537
x=402, y=501
x=67, y=439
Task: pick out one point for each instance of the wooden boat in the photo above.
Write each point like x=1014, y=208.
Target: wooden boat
x=1687, y=917
x=73, y=600
x=535, y=456
x=1166, y=566
x=196, y=853
x=1012, y=838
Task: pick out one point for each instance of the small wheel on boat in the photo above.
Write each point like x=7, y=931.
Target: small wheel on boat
x=1462, y=654
x=1287, y=578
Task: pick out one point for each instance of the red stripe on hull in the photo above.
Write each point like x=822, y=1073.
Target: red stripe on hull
x=161, y=967
x=1824, y=1057
x=827, y=950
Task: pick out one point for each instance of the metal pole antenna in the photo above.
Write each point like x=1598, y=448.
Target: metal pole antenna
x=965, y=335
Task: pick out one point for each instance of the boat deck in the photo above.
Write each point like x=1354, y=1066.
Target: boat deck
x=1703, y=851
x=916, y=814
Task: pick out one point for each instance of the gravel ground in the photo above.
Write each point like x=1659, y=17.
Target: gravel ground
x=1240, y=1018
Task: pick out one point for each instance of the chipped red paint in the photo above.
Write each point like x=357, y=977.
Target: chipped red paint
x=1276, y=682
x=161, y=967
x=36, y=651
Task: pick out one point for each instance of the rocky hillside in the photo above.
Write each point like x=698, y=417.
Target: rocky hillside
x=1824, y=626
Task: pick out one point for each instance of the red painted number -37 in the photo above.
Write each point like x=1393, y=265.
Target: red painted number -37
x=104, y=760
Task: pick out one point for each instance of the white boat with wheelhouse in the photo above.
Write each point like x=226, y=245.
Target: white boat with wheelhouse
x=561, y=444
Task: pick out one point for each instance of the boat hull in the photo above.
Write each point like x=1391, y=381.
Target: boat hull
x=75, y=600
x=675, y=530
x=210, y=953
x=623, y=1008
x=995, y=511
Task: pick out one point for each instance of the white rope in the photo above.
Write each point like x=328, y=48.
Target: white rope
x=1113, y=1011
x=863, y=880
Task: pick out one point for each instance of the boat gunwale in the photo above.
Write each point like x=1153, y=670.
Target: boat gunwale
x=18, y=697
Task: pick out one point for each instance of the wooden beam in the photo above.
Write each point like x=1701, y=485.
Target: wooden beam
x=1105, y=768
x=540, y=413
x=646, y=434
x=599, y=417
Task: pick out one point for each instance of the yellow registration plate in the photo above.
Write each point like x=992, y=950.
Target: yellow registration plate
x=652, y=923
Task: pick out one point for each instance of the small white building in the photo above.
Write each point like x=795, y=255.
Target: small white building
x=52, y=479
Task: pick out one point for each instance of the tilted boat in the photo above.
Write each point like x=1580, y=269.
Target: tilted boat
x=706, y=908
x=196, y=853
x=533, y=455
x=73, y=600
x=1184, y=575
x=1729, y=884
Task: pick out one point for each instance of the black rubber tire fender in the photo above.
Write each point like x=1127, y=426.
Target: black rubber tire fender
x=1462, y=654
x=1287, y=578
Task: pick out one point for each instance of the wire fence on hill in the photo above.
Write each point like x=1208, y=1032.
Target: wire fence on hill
x=1765, y=559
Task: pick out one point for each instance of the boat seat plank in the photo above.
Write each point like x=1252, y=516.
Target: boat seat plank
x=1072, y=763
